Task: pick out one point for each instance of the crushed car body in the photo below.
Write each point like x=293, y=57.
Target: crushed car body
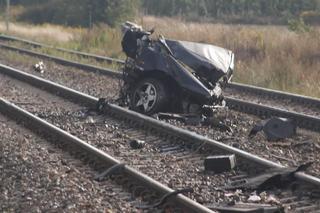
x=162, y=75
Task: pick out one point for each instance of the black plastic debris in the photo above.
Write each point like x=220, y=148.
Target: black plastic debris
x=39, y=67
x=117, y=168
x=213, y=122
x=137, y=144
x=221, y=163
x=166, y=197
x=189, y=119
x=194, y=119
x=101, y=104
x=279, y=178
x=275, y=128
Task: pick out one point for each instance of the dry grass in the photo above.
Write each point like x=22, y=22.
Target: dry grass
x=267, y=56
x=45, y=32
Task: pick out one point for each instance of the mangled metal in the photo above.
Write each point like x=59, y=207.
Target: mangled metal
x=275, y=128
x=194, y=119
x=279, y=178
x=163, y=75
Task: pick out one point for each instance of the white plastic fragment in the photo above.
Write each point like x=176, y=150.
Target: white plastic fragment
x=254, y=198
x=39, y=67
x=272, y=200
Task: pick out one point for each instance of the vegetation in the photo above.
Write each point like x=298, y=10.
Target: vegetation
x=76, y=12
x=280, y=57
x=235, y=11
x=268, y=56
x=88, y=12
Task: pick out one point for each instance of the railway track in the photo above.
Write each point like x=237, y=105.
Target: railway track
x=275, y=94
x=173, y=147
x=140, y=185
x=39, y=176
x=262, y=102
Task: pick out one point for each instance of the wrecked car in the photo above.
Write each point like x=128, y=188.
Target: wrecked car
x=162, y=75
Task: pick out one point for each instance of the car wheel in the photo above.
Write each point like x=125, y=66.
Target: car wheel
x=149, y=96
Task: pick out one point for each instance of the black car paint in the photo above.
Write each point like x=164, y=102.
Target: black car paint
x=186, y=68
x=150, y=60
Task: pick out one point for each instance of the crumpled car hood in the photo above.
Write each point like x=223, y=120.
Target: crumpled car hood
x=202, y=57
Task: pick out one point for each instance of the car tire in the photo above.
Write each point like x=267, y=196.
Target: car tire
x=149, y=96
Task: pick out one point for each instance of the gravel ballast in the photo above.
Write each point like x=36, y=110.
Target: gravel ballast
x=39, y=177
x=112, y=136
x=288, y=152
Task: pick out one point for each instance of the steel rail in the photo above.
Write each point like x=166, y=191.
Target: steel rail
x=276, y=94
x=302, y=120
x=146, y=121
x=233, y=85
x=62, y=61
x=12, y=110
x=41, y=45
x=237, y=86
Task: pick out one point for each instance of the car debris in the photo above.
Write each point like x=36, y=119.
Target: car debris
x=276, y=128
x=273, y=178
x=39, y=67
x=271, y=199
x=254, y=198
x=235, y=194
x=137, y=144
x=189, y=119
x=220, y=163
x=238, y=201
x=162, y=75
x=194, y=119
x=214, y=122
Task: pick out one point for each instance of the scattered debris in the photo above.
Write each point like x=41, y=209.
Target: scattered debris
x=100, y=104
x=235, y=196
x=90, y=120
x=275, y=128
x=189, y=119
x=254, y=198
x=194, y=119
x=271, y=199
x=165, y=197
x=117, y=168
x=220, y=163
x=263, y=195
x=137, y=144
x=211, y=121
x=39, y=67
x=273, y=178
x=237, y=193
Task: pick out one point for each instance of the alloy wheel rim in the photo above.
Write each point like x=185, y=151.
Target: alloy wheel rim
x=146, y=97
